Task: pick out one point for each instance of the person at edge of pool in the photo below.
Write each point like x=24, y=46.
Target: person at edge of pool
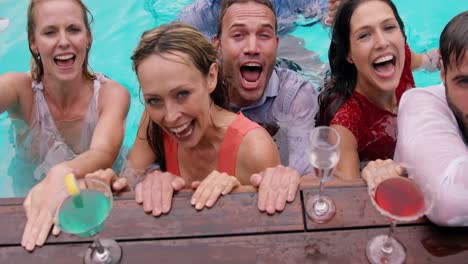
x=433, y=132
x=188, y=131
x=277, y=98
x=67, y=118
x=203, y=14
x=370, y=68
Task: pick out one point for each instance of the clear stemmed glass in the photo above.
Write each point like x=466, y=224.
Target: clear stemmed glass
x=400, y=199
x=324, y=153
x=84, y=214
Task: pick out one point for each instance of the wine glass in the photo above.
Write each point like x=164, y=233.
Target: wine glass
x=82, y=211
x=324, y=152
x=400, y=199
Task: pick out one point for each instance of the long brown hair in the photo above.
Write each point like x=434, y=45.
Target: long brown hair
x=36, y=67
x=171, y=39
x=341, y=80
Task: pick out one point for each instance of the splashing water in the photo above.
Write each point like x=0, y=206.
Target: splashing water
x=149, y=6
x=4, y=23
x=162, y=10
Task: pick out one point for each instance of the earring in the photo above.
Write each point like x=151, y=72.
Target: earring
x=38, y=55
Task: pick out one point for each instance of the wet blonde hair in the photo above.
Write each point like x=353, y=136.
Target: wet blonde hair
x=36, y=67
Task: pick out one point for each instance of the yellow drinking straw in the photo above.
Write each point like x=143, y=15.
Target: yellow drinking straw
x=71, y=184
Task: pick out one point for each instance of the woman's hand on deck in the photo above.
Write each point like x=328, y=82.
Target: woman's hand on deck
x=276, y=186
x=208, y=191
x=156, y=190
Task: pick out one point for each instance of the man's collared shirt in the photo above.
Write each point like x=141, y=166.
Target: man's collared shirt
x=289, y=103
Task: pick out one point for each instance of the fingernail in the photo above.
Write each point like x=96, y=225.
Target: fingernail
x=156, y=212
x=165, y=208
x=209, y=203
x=199, y=206
x=192, y=201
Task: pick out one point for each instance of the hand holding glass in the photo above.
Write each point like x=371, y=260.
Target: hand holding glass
x=83, y=207
x=400, y=199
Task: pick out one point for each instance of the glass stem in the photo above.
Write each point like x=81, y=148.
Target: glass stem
x=320, y=206
x=387, y=246
x=99, y=248
x=101, y=254
x=323, y=177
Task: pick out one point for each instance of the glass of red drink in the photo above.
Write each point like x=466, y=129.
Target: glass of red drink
x=401, y=199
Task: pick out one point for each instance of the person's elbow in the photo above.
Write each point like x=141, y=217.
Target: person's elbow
x=449, y=210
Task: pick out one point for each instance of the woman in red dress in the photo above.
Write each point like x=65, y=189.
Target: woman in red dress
x=371, y=66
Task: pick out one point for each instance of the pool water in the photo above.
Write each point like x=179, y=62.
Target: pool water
x=118, y=26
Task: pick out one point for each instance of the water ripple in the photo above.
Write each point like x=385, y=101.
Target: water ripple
x=4, y=23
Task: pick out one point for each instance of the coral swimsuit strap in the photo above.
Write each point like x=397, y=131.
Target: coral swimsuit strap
x=227, y=157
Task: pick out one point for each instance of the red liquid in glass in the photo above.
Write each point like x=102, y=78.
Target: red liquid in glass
x=399, y=197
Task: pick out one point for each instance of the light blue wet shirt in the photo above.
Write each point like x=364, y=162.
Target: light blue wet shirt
x=290, y=103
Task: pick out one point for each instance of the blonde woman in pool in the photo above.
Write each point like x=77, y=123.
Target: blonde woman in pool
x=66, y=118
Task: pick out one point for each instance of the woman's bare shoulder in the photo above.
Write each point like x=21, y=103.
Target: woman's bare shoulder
x=16, y=79
x=113, y=92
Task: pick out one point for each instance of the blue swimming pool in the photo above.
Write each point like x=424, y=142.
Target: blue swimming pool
x=118, y=26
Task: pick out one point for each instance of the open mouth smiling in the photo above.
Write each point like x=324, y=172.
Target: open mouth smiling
x=65, y=61
x=385, y=66
x=251, y=73
x=184, y=131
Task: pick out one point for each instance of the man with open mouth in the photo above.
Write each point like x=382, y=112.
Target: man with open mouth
x=247, y=44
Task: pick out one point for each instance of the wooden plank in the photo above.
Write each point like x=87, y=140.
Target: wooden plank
x=11, y=201
x=233, y=214
x=12, y=222
x=353, y=208
x=308, y=181
x=424, y=244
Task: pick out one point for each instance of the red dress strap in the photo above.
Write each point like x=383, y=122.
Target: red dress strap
x=227, y=157
x=170, y=152
x=406, y=79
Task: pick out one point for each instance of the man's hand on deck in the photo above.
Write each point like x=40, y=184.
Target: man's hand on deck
x=156, y=190
x=276, y=186
x=208, y=191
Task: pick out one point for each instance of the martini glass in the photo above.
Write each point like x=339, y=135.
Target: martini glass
x=84, y=214
x=400, y=199
x=324, y=153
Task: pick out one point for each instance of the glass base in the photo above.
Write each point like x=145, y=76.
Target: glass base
x=376, y=254
x=320, y=209
x=112, y=254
